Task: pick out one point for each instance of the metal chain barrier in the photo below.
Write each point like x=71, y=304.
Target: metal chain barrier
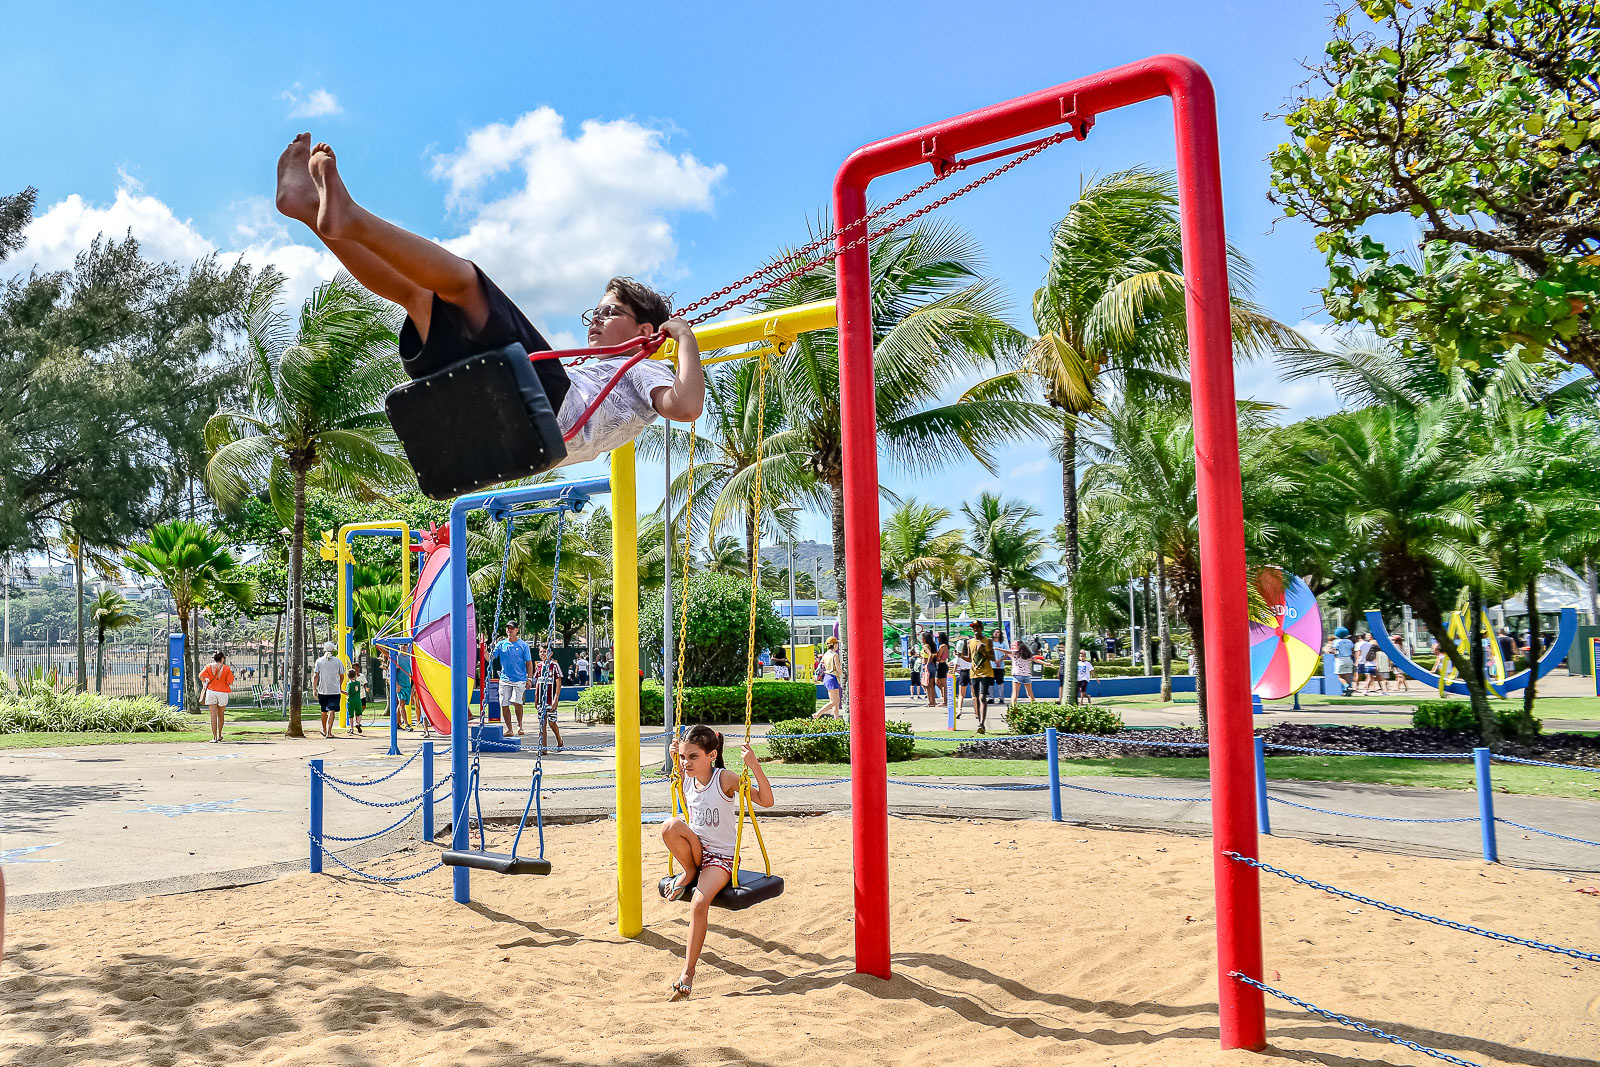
x=1544, y=763
x=1546, y=833
x=1358, y=752
x=1353, y=815
x=372, y=803
x=1395, y=909
x=326, y=777
x=1345, y=1020
x=368, y=837
x=373, y=877
x=1133, y=796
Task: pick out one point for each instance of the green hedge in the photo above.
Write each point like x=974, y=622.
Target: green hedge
x=773, y=702
x=716, y=643
x=791, y=742
x=52, y=712
x=1068, y=718
x=1458, y=715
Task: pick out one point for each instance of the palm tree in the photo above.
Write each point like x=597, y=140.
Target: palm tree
x=110, y=611
x=196, y=568
x=1112, y=306
x=995, y=539
x=957, y=580
x=725, y=555
x=316, y=417
x=913, y=547
x=1025, y=568
x=934, y=318
x=1408, y=486
x=83, y=556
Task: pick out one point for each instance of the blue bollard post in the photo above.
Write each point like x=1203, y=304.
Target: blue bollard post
x=316, y=816
x=394, y=709
x=1480, y=762
x=1264, y=819
x=950, y=700
x=1052, y=762
x=427, y=790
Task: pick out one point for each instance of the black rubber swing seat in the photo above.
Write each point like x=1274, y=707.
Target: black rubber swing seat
x=477, y=423
x=752, y=889
x=495, y=862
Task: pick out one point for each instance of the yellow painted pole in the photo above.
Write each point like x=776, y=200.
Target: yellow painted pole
x=625, y=617
x=344, y=562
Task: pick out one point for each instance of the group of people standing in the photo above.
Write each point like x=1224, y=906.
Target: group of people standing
x=1362, y=665
x=979, y=665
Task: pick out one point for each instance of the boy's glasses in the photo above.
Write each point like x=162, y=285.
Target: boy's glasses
x=603, y=314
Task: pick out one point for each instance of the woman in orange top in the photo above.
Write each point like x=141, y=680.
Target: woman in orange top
x=216, y=684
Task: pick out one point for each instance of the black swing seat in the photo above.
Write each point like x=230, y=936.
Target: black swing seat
x=476, y=423
x=495, y=862
x=753, y=889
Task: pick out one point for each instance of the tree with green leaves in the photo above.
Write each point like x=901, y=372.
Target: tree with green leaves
x=1112, y=310
x=1480, y=120
x=110, y=611
x=315, y=416
x=934, y=318
x=195, y=567
x=995, y=538
x=913, y=548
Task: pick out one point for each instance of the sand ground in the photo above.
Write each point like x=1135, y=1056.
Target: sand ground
x=1015, y=943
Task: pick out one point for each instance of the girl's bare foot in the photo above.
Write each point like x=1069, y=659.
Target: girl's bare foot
x=336, y=211
x=297, y=193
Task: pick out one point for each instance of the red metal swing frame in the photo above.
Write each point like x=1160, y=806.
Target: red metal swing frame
x=1075, y=104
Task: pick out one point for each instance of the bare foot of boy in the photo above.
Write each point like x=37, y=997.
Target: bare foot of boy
x=297, y=193
x=336, y=211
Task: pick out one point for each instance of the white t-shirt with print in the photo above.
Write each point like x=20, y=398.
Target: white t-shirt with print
x=1085, y=670
x=622, y=415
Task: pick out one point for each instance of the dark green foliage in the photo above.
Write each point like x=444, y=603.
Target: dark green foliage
x=1458, y=715
x=794, y=741
x=1067, y=718
x=107, y=374
x=773, y=701
x=718, y=628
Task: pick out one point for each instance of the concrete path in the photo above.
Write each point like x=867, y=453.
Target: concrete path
x=120, y=821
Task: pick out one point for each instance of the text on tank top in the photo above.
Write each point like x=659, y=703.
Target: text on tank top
x=713, y=816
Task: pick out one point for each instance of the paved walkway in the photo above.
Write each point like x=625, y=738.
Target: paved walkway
x=128, y=820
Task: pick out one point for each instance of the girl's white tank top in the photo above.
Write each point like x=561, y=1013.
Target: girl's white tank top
x=713, y=816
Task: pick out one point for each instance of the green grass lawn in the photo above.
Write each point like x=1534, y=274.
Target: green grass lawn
x=72, y=740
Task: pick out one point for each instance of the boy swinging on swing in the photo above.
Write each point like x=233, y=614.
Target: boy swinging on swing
x=453, y=311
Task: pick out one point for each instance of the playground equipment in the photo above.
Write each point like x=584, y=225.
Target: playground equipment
x=338, y=551
x=1566, y=632
x=1285, y=650
x=1460, y=632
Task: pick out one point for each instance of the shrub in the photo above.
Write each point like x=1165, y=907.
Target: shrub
x=49, y=711
x=1114, y=671
x=772, y=702
x=897, y=672
x=792, y=741
x=718, y=628
x=1068, y=718
x=1458, y=715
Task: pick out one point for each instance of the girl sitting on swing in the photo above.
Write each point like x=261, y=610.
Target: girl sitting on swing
x=704, y=844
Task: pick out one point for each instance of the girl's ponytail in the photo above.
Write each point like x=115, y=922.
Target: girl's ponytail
x=707, y=740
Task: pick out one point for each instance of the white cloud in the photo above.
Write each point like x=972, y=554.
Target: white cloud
x=578, y=210
x=310, y=105
x=54, y=239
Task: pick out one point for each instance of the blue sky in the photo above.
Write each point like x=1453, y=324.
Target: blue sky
x=681, y=142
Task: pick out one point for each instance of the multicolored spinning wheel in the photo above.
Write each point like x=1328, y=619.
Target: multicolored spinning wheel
x=1287, y=651
x=430, y=628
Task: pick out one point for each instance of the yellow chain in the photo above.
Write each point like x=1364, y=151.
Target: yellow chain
x=755, y=554
x=679, y=804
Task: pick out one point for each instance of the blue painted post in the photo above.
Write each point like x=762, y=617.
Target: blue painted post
x=461, y=670
x=950, y=699
x=1264, y=819
x=1255, y=705
x=316, y=816
x=1052, y=762
x=427, y=790
x=1480, y=762
x=394, y=708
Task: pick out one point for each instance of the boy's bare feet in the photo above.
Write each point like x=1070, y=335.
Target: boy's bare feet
x=336, y=211
x=297, y=193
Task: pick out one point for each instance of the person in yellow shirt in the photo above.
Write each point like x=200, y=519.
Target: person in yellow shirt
x=981, y=651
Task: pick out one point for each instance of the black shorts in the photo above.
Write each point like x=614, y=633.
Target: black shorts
x=451, y=340
x=944, y=672
x=982, y=682
x=963, y=677
x=328, y=702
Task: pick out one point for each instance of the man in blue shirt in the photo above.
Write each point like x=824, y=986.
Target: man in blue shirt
x=515, y=657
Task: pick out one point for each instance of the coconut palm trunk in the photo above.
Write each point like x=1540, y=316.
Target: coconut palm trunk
x=297, y=607
x=1163, y=631
x=1529, y=693
x=1069, y=555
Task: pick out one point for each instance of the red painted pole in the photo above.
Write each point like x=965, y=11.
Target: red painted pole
x=1243, y=1021
x=869, y=787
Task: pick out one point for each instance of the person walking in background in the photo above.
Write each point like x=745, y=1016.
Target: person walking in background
x=216, y=685
x=929, y=655
x=580, y=669
x=1401, y=682
x=515, y=657
x=1344, y=659
x=1085, y=673
x=353, y=700
x=830, y=672
x=981, y=650
x=328, y=672
x=914, y=664
x=942, y=668
x=547, y=696
x=998, y=662
x=780, y=665
x=1021, y=671
x=963, y=675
